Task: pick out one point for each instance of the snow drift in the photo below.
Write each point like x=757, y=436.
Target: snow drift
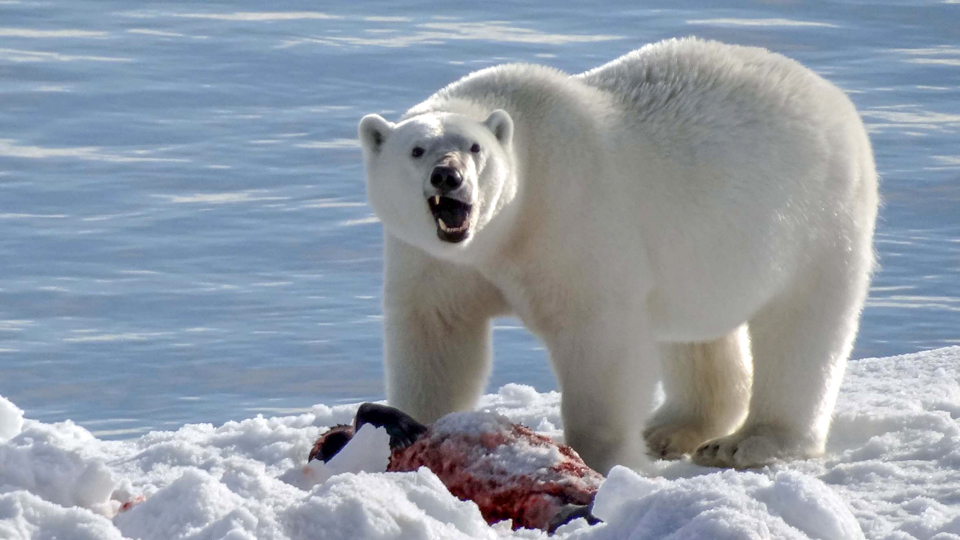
x=892, y=472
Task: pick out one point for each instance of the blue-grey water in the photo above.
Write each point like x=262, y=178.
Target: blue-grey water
x=183, y=227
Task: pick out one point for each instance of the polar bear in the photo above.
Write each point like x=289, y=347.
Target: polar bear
x=692, y=213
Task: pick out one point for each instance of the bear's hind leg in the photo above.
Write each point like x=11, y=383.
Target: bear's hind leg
x=800, y=345
x=707, y=387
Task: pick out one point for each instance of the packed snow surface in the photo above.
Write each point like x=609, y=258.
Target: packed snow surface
x=892, y=471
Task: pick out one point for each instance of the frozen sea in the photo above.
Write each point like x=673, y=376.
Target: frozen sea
x=185, y=236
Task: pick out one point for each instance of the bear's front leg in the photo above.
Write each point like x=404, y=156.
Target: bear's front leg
x=608, y=369
x=435, y=366
x=437, y=333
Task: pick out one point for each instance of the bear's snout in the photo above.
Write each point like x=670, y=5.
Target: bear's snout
x=446, y=178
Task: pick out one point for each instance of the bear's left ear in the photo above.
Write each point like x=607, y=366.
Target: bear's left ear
x=500, y=123
x=373, y=130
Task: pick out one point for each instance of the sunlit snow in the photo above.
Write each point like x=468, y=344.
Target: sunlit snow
x=892, y=472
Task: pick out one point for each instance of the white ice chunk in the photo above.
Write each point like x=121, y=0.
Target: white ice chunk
x=11, y=420
x=367, y=451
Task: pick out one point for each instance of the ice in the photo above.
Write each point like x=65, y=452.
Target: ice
x=892, y=472
x=729, y=504
x=11, y=420
x=368, y=451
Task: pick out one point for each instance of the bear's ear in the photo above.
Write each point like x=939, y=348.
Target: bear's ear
x=500, y=123
x=373, y=130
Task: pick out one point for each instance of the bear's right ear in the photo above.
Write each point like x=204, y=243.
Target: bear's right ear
x=373, y=131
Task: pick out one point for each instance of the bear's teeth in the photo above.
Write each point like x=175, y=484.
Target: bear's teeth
x=445, y=228
x=436, y=200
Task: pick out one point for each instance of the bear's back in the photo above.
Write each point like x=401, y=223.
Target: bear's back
x=524, y=90
x=679, y=85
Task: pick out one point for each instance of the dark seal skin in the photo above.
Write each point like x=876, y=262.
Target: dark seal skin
x=402, y=429
x=331, y=442
x=543, y=501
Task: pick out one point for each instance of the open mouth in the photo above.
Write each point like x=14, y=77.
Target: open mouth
x=452, y=217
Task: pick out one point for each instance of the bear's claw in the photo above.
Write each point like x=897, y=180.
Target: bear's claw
x=672, y=441
x=751, y=448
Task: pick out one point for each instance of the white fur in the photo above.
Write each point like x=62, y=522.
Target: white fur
x=690, y=202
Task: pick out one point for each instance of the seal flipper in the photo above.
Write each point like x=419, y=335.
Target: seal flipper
x=401, y=427
x=331, y=442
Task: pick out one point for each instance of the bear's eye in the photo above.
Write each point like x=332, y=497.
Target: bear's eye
x=475, y=148
x=417, y=151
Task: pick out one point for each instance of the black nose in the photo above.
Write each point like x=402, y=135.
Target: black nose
x=446, y=178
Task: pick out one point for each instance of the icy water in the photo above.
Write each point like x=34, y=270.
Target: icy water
x=184, y=230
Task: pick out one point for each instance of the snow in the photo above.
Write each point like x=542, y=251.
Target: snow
x=11, y=419
x=368, y=451
x=730, y=504
x=892, y=472
x=520, y=457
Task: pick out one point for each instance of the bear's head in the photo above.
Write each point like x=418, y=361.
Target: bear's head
x=436, y=180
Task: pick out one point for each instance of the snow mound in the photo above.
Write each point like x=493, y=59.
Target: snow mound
x=399, y=506
x=892, y=472
x=49, y=461
x=11, y=420
x=730, y=504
